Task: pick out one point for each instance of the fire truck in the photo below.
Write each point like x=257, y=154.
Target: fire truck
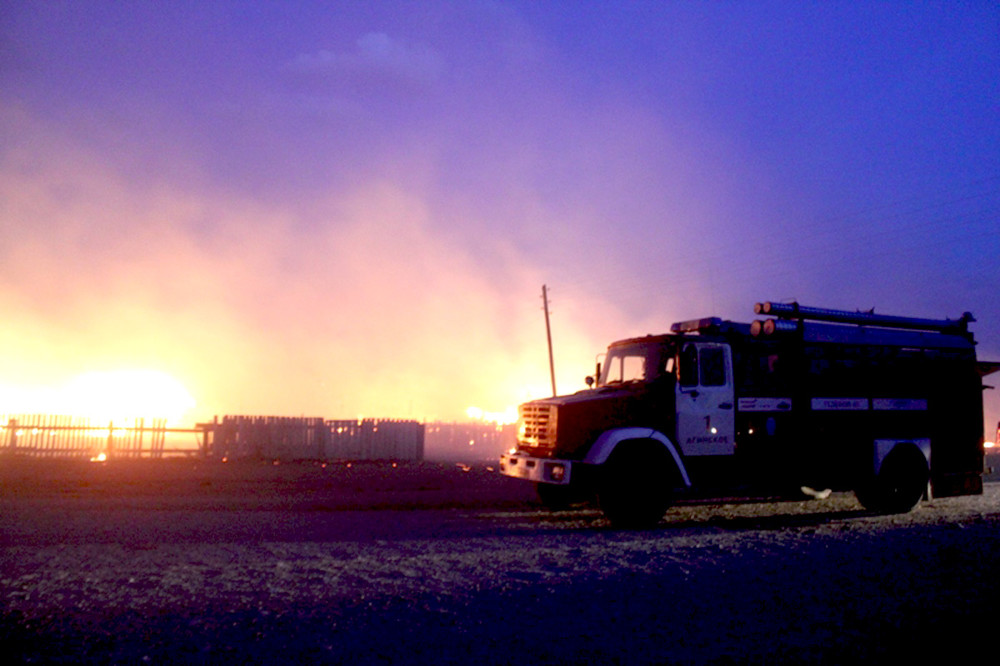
x=804, y=400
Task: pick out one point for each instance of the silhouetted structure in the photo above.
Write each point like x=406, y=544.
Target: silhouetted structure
x=312, y=438
x=468, y=440
x=260, y=437
x=52, y=436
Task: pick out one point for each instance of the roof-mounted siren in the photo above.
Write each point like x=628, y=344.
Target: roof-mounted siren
x=798, y=313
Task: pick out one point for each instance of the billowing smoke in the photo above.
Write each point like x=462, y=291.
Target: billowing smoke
x=344, y=306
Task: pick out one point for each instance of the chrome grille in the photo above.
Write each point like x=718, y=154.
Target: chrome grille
x=538, y=425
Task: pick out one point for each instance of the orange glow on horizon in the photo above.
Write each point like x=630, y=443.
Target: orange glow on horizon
x=326, y=343
x=118, y=396
x=506, y=417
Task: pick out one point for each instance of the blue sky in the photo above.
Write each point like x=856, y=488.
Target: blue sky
x=345, y=208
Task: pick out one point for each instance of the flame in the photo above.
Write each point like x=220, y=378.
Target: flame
x=505, y=417
x=118, y=396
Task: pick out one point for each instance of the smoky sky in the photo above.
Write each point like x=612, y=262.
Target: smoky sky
x=337, y=208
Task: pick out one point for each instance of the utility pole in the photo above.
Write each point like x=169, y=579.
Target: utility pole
x=548, y=335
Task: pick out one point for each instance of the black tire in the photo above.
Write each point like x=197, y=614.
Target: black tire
x=900, y=485
x=556, y=497
x=636, y=485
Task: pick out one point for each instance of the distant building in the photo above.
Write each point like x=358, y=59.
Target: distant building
x=467, y=441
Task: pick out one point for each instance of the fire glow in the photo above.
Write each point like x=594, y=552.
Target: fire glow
x=117, y=396
x=505, y=417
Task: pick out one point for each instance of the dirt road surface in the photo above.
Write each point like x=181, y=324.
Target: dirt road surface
x=192, y=562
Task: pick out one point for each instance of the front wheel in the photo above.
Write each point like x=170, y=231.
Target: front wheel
x=900, y=483
x=635, y=488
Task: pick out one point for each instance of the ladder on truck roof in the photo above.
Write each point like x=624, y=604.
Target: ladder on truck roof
x=847, y=327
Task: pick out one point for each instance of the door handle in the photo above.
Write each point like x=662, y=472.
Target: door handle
x=726, y=405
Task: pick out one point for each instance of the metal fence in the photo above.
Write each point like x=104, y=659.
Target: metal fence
x=53, y=436
x=247, y=437
x=468, y=440
x=316, y=438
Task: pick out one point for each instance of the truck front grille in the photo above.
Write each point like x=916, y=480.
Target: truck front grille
x=538, y=426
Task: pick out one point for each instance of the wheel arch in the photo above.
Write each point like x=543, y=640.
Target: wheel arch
x=609, y=441
x=884, y=447
x=899, y=477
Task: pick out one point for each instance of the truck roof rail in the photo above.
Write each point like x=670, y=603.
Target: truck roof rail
x=800, y=312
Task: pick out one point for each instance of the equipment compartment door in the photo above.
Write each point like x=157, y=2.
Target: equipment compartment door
x=706, y=411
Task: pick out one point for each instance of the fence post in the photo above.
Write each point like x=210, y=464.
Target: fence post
x=215, y=436
x=137, y=436
x=12, y=429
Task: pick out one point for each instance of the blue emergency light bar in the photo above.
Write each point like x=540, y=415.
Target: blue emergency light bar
x=695, y=325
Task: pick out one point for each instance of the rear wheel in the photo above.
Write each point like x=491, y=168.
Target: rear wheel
x=636, y=485
x=900, y=483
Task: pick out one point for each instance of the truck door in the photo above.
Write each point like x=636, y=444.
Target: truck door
x=705, y=406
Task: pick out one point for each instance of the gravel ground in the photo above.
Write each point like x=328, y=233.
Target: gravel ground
x=430, y=563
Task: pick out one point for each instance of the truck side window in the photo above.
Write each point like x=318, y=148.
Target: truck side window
x=689, y=366
x=713, y=366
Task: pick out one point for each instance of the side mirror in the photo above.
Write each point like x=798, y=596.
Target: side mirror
x=590, y=381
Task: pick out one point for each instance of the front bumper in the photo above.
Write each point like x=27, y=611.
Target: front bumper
x=539, y=470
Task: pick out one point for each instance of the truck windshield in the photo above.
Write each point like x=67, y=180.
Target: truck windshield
x=631, y=364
